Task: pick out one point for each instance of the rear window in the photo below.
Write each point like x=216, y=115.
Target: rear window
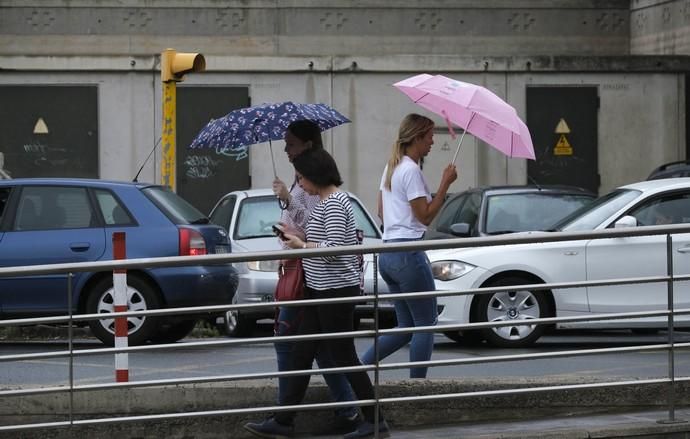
x=176, y=208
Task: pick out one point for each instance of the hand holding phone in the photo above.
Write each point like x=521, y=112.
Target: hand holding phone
x=279, y=232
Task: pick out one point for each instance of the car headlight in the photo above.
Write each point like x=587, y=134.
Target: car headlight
x=449, y=270
x=263, y=265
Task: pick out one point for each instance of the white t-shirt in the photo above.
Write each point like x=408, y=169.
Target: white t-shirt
x=407, y=184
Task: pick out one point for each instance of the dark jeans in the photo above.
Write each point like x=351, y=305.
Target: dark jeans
x=287, y=324
x=322, y=319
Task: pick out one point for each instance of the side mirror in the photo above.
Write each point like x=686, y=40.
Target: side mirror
x=625, y=222
x=460, y=229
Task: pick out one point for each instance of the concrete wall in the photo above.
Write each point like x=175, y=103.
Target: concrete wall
x=348, y=54
x=660, y=27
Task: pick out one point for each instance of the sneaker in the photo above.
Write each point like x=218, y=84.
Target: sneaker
x=366, y=430
x=270, y=429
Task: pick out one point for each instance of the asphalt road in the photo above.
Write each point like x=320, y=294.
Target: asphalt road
x=227, y=360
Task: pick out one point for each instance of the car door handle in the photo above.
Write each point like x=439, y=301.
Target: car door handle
x=571, y=253
x=79, y=246
x=685, y=249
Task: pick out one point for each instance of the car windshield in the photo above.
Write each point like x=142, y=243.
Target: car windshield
x=258, y=214
x=174, y=207
x=256, y=217
x=593, y=214
x=529, y=211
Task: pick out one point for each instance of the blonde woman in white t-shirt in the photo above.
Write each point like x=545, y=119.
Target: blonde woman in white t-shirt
x=406, y=209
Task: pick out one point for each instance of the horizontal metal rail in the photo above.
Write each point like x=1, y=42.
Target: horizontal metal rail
x=357, y=299
x=440, y=244
x=387, y=366
x=334, y=335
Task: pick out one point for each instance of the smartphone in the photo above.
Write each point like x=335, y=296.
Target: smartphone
x=279, y=232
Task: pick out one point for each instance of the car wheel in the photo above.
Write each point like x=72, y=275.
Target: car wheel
x=174, y=332
x=237, y=325
x=519, y=305
x=141, y=296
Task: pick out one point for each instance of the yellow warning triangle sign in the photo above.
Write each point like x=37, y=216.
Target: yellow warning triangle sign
x=563, y=147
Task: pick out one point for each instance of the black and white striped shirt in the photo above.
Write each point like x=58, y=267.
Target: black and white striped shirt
x=332, y=224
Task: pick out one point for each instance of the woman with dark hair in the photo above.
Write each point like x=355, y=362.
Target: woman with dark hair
x=297, y=205
x=331, y=224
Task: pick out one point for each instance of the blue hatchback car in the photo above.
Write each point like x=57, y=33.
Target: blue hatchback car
x=52, y=220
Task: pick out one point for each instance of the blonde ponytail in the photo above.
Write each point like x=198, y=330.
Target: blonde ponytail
x=412, y=127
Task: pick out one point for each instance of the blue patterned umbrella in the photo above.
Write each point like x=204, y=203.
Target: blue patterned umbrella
x=234, y=132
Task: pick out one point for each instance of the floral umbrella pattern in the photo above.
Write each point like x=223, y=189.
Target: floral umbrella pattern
x=234, y=132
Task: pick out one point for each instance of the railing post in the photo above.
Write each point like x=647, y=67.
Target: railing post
x=671, y=396
x=375, y=269
x=120, y=305
x=70, y=337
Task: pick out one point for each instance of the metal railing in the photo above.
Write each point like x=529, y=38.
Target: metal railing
x=70, y=319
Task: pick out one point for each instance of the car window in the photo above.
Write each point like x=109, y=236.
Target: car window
x=469, y=212
x=593, y=214
x=528, y=211
x=363, y=221
x=667, y=210
x=176, y=208
x=4, y=195
x=222, y=213
x=54, y=207
x=448, y=213
x=112, y=210
x=255, y=217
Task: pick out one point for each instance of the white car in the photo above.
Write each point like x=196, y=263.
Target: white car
x=249, y=216
x=640, y=204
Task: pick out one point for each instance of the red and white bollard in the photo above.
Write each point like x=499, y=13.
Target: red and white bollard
x=120, y=305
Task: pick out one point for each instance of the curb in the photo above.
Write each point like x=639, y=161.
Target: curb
x=461, y=414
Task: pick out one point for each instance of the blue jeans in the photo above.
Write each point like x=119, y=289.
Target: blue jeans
x=408, y=272
x=338, y=385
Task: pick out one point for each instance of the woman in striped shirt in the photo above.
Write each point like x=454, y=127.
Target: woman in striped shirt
x=331, y=224
x=297, y=205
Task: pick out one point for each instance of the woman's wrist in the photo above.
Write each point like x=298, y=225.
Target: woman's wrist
x=305, y=245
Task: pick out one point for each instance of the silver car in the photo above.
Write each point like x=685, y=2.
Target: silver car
x=248, y=216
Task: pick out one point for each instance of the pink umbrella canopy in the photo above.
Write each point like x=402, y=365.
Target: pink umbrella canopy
x=475, y=109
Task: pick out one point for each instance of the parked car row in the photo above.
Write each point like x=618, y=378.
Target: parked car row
x=44, y=221
x=48, y=221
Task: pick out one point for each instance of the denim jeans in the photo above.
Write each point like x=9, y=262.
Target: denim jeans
x=287, y=324
x=408, y=272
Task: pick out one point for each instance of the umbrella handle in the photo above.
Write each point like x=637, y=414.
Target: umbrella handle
x=462, y=137
x=273, y=162
x=458, y=148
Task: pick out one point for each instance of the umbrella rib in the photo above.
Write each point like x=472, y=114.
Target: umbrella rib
x=421, y=97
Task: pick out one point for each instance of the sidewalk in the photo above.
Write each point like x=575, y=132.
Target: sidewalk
x=631, y=425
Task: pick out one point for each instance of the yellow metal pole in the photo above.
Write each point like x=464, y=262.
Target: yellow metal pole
x=169, y=135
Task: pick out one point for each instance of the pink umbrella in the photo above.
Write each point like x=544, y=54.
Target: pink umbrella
x=473, y=108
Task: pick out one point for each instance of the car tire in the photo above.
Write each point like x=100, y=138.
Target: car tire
x=141, y=295
x=512, y=305
x=237, y=325
x=174, y=332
